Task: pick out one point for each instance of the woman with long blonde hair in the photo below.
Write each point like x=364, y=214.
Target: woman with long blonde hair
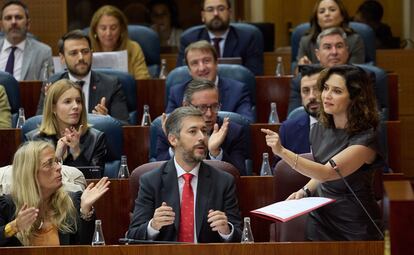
x=38, y=211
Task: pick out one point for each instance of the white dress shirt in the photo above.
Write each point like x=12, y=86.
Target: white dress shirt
x=85, y=87
x=18, y=57
x=221, y=43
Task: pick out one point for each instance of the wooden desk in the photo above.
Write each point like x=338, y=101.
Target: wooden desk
x=400, y=206
x=272, y=89
x=258, y=145
x=10, y=141
x=152, y=93
x=136, y=145
x=29, y=96
x=305, y=248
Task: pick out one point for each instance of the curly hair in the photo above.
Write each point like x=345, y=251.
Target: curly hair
x=362, y=111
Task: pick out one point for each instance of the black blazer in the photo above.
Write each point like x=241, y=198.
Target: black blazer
x=83, y=235
x=92, y=145
x=215, y=190
x=101, y=85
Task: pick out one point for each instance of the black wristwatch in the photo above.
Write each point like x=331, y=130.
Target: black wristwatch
x=307, y=191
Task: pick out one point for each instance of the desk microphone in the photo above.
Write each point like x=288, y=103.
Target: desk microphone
x=335, y=167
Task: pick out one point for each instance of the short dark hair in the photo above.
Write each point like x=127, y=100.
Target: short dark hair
x=371, y=10
x=72, y=35
x=308, y=70
x=196, y=85
x=15, y=2
x=174, y=121
x=203, y=2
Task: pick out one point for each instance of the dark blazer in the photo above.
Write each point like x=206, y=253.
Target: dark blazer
x=215, y=190
x=83, y=235
x=238, y=44
x=235, y=146
x=92, y=145
x=294, y=135
x=101, y=85
x=234, y=96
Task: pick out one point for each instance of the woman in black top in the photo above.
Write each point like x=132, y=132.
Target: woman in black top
x=347, y=134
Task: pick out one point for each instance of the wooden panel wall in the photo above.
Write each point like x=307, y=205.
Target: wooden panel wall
x=282, y=13
x=48, y=20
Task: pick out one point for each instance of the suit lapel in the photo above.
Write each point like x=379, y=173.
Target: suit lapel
x=169, y=190
x=223, y=91
x=93, y=95
x=203, y=197
x=27, y=58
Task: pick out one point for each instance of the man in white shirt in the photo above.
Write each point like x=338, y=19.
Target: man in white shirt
x=201, y=208
x=21, y=55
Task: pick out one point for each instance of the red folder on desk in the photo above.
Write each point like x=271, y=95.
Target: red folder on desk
x=290, y=209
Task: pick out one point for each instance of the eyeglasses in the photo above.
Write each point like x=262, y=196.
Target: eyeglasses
x=204, y=107
x=211, y=9
x=51, y=163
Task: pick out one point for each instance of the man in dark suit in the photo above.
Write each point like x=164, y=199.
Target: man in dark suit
x=228, y=40
x=185, y=199
x=201, y=59
x=103, y=93
x=294, y=132
x=228, y=141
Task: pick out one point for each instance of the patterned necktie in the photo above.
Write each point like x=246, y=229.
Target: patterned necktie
x=10, y=61
x=186, y=231
x=217, y=41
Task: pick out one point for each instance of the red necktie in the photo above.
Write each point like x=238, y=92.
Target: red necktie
x=186, y=232
x=216, y=41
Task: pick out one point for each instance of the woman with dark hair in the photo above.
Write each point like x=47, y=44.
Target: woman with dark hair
x=108, y=31
x=65, y=125
x=327, y=14
x=39, y=212
x=345, y=140
x=164, y=20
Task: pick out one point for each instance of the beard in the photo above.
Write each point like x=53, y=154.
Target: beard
x=73, y=70
x=190, y=156
x=218, y=25
x=313, y=113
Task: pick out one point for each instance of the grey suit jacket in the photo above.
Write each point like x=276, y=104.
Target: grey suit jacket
x=215, y=190
x=35, y=55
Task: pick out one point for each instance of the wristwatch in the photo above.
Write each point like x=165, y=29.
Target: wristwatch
x=307, y=191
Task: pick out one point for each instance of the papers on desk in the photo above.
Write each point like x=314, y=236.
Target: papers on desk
x=290, y=209
x=117, y=60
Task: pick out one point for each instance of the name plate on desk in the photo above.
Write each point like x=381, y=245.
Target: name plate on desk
x=90, y=172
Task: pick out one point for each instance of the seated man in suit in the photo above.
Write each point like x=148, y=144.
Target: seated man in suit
x=22, y=56
x=294, y=133
x=332, y=50
x=185, y=199
x=103, y=93
x=5, y=114
x=228, y=40
x=201, y=59
x=228, y=141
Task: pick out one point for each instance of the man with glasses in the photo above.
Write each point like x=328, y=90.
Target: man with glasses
x=201, y=59
x=228, y=40
x=103, y=93
x=227, y=141
x=20, y=54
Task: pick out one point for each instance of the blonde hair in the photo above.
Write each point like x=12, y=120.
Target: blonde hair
x=109, y=10
x=49, y=125
x=26, y=191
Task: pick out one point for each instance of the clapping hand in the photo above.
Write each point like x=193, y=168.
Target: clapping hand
x=217, y=137
x=93, y=192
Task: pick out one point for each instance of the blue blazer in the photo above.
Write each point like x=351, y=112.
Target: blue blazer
x=216, y=190
x=238, y=44
x=235, y=146
x=294, y=134
x=234, y=96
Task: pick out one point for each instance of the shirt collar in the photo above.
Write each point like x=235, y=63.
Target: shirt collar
x=86, y=78
x=223, y=36
x=180, y=170
x=20, y=45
